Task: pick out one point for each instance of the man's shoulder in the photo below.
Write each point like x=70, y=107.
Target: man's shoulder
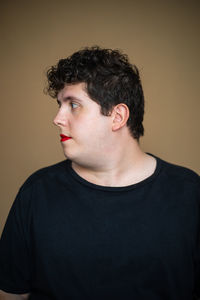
x=46, y=173
x=179, y=173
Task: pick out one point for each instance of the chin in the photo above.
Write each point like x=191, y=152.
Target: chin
x=67, y=155
x=70, y=156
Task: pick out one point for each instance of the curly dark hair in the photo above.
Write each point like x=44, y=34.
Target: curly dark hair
x=110, y=79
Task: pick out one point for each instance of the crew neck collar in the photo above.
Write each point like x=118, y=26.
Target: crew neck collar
x=83, y=181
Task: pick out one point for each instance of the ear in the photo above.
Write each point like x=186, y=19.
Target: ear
x=120, y=115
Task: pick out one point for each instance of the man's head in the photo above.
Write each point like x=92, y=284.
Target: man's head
x=109, y=79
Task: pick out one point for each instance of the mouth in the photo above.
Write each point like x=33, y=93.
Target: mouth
x=64, y=138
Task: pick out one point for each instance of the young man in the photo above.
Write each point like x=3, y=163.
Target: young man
x=110, y=221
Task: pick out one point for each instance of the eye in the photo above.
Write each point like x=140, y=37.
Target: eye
x=73, y=105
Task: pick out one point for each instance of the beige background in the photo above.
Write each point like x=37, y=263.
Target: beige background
x=161, y=37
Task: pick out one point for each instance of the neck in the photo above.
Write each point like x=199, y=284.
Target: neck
x=121, y=167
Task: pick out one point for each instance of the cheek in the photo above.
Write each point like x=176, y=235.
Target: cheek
x=91, y=129
x=99, y=134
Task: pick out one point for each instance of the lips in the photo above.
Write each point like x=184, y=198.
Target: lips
x=64, y=137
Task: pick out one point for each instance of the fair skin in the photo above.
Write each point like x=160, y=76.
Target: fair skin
x=101, y=147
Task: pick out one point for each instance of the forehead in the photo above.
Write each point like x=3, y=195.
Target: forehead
x=77, y=90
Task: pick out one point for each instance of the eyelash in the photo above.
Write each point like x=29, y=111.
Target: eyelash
x=71, y=104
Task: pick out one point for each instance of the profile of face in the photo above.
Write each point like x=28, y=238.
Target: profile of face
x=86, y=134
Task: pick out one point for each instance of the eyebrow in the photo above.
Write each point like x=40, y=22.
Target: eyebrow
x=69, y=98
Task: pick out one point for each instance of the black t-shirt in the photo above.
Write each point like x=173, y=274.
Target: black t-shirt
x=66, y=238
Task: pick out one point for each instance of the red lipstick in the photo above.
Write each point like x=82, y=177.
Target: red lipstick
x=64, y=137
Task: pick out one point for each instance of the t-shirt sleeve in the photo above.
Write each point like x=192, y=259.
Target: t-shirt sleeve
x=197, y=273
x=197, y=256
x=15, y=260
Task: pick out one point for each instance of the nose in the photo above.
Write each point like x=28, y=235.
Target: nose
x=60, y=119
